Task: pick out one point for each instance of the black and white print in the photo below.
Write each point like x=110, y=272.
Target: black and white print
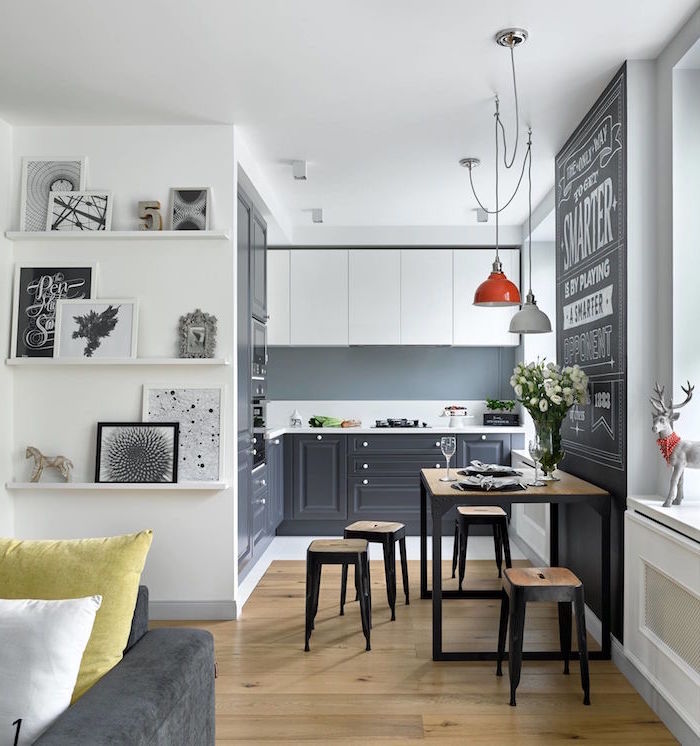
x=103, y=328
x=36, y=293
x=137, y=452
x=199, y=411
x=190, y=209
x=79, y=211
x=40, y=177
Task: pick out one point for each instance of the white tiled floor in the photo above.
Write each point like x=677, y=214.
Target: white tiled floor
x=294, y=548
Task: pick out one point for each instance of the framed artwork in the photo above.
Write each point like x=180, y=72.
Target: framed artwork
x=79, y=211
x=103, y=328
x=190, y=208
x=37, y=290
x=40, y=177
x=199, y=410
x=197, y=333
x=137, y=452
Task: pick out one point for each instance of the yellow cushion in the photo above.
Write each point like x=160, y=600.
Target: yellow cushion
x=109, y=567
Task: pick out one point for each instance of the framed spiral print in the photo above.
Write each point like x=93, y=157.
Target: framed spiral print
x=190, y=208
x=40, y=177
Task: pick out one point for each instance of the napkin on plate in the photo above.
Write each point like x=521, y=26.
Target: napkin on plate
x=488, y=483
x=478, y=467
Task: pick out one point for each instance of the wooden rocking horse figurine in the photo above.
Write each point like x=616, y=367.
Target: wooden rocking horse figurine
x=63, y=464
x=679, y=454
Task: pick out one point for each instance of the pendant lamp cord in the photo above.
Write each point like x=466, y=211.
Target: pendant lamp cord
x=517, y=119
x=497, y=120
x=529, y=204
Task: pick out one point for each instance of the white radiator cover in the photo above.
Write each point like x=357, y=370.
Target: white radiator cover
x=662, y=611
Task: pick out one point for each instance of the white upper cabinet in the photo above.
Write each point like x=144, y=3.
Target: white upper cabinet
x=476, y=326
x=375, y=296
x=319, y=297
x=426, y=296
x=278, y=297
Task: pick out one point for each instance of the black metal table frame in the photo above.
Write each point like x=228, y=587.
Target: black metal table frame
x=440, y=504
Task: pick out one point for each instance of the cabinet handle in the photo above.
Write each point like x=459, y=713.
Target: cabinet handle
x=319, y=437
x=365, y=444
x=263, y=483
x=255, y=451
x=365, y=466
x=277, y=441
x=255, y=440
x=365, y=481
x=437, y=444
x=261, y=500
x=483, y=437
x=437, y=466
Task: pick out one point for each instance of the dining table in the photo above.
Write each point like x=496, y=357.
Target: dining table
x=438, y=497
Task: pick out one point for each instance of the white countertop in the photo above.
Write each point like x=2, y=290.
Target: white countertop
x=276, y=432
x=683, y=518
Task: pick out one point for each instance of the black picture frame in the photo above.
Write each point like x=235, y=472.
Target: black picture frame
x=36, y=290
x=145, y=470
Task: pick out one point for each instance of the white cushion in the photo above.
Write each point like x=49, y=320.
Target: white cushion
x=41, y=645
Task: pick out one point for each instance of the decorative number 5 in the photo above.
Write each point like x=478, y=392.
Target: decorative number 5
x=18, y=723
x=149, y=213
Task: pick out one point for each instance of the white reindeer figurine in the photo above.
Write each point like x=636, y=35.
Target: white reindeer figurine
x=678, y=453
x=63, y=464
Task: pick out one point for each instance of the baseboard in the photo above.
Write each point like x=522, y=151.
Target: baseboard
x=653, y=695
x=191, y=610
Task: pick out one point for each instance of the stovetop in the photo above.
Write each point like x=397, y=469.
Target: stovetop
x=403, y=422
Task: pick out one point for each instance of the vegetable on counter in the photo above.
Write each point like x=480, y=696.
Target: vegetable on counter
x=318, y=421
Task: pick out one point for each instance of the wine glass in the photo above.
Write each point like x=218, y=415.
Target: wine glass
x=535, y=448
x=448, y=446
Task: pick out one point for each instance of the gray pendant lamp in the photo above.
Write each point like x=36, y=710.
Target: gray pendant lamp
x=530, y=319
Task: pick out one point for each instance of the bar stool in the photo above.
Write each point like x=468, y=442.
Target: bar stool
x=480, y=514
x=337, y=552
x=523, y=584
x=386, y=533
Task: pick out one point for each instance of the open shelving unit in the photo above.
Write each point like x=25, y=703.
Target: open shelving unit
x=63, y=486
x=78, y=362
x=117, y=235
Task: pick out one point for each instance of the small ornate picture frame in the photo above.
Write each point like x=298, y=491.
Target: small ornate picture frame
x=197, y=337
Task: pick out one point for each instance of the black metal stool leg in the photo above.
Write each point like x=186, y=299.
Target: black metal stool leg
x=317, y=568
x=343, y=589
x=363, y=591
x=497, y=546
x=463, y=541
x=502, y=631
x=404, y=567
x=582, y=643
x=389, y=547
x=515, y=647
x=309, y=602
x=565, y=632
x=455, y=548
x=505, y=541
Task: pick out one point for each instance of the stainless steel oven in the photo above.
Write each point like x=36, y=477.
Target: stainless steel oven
x=259, y=367
x=258, y=432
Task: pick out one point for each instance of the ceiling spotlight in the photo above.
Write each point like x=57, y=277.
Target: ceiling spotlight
x=299, y=170
x=316, y=215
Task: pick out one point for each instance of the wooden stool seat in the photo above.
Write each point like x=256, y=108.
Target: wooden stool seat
x=379, y=527
x=386, y=533
x=338, y=545
x=338, y=552
x=559, y=584
x=476, y=510
x=554, y=577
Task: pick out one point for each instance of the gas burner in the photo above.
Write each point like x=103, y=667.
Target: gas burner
x=391, y=422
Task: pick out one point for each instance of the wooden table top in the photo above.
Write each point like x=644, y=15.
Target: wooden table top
x=568, y=484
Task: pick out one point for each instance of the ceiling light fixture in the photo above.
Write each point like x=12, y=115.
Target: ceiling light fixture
x=299, y=170
x=497, y=289
x=316, y=215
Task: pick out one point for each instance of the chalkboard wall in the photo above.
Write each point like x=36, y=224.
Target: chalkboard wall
x=591, y=240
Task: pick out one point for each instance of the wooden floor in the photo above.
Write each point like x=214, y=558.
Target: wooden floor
x=269, y=690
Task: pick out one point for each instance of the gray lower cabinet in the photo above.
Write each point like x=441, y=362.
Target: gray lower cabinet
x=490, y=449
x=319, y=477
x=260, y=504
x=274, y=453
x=245, y=518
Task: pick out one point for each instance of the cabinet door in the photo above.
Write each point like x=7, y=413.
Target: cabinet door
x=278, y=297
x=275, y=479
x=375, y=296
x=260, y=506
x=426, y=296
x=479, y=326
x=384, y=498
x=243, y=353
x=320, y=476
x=319, y=297
x=258, y=267
x=245, y=530
x=489, y=449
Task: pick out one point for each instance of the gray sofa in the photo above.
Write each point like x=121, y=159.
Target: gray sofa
x=160, y=694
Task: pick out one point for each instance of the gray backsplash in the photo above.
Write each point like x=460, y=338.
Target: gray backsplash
x=389, y=373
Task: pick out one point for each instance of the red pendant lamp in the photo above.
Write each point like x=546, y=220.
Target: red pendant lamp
x=497, y=289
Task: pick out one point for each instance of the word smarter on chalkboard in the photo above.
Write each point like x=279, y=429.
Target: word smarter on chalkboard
x=591, y=243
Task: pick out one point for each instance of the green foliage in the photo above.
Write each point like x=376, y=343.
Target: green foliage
x=500, y=405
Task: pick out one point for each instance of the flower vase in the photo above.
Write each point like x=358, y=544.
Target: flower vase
x=550, y=436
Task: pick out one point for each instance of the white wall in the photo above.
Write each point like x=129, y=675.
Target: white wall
x=191, y=566
x=6, y=502
x=686, y=229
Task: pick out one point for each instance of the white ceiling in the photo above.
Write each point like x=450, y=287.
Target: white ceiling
x=382, y=97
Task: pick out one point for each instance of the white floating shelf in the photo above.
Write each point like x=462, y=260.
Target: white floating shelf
x=117, y=235
x=50, y=361
x=199, y=486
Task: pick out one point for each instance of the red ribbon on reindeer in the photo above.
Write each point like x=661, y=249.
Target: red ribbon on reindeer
x=667, y=444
